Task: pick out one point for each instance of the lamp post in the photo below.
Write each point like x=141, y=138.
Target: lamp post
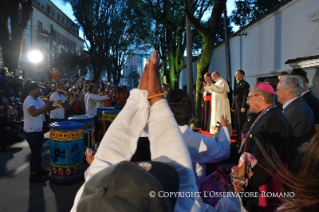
x=35, y=56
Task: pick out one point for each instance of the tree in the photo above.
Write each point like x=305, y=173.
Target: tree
x=71, y=64
x=208, y=35
x=170, y=31
x=250, y=10
x=111, y=27
x=19, y=13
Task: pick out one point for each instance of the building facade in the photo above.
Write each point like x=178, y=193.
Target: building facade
x=135, y=63
x=284, y=39
x=49, y=31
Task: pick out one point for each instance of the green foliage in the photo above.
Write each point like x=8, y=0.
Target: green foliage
x=250, y=10
x=113, y=29
x=195, y=122
x=300, y=72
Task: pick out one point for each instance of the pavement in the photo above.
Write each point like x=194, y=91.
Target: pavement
x=17, y=194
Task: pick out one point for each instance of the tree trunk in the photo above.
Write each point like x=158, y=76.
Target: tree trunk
x=190, y=86
x=202, y=68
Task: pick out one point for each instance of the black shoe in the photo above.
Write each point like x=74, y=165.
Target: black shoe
x=44, y=171
x=38, y=178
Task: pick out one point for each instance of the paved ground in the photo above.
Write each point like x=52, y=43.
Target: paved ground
x=17, y=194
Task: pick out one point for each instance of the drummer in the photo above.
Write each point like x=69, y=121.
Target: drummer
x=91, y=106
x=61, y=102
x=33, y=109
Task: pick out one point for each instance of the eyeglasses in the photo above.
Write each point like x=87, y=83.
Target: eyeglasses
x=249, y=97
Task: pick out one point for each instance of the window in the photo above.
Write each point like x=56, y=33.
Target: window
x=58, y=39
x=40, y=26
x=62, y=20
x=40, y=29
x=66, y=23
x=74, y=47
x=58, y=16
x=47, y=8
x=53, y=13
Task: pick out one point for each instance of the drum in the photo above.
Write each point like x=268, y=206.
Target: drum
x=88, y=129
x=107, y=118
x=66, y=151
x=99, y=112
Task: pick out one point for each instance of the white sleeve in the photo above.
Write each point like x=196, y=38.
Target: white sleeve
x=167, y=145
x=97, y=97
x=120, y=141
x=214, y=88
x=54, y=98
x=208, y=150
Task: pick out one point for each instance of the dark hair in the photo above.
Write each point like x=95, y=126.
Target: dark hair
x=304, y=185
x=283, y=73
x=181, y=105
x=91, y=88
x=6, y=108
x=242, y=72
x=3, y=72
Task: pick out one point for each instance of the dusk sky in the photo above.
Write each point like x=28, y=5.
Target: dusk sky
x=67, y=9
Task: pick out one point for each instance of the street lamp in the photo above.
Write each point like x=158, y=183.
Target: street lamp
x=35, y=56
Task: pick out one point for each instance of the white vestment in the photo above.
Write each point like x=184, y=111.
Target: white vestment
x=220, y=103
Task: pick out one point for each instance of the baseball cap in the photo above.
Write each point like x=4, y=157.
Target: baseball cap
x=15, y=100
x=33, y=86
x=266, y=87
x=129, y=186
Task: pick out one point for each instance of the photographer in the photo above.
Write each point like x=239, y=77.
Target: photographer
x=8, y=128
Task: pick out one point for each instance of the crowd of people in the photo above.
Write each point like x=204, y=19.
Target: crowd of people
x=69, y=97
x=276, y=132
x=275, y=170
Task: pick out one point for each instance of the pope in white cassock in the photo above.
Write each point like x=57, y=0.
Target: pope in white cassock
x=220, y=103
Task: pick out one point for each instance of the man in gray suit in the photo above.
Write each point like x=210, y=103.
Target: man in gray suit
x=299, y=114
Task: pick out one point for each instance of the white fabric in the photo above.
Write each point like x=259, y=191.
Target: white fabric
x=166, y=145
x=57, y=113
x=91, y=103
x=85, y=99
x=219, y=103
x=32, y=124
x=100, y=103
x=205, y=150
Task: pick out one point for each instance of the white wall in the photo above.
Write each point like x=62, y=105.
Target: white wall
x=285, y=34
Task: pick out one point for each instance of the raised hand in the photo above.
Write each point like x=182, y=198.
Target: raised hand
x=224, y=121
x=154, y=84
x=143, y=82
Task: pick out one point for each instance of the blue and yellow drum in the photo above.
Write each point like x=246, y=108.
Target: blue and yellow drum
x=88, y=129
x=108, y=117
x=99, y=113
x=66, y=151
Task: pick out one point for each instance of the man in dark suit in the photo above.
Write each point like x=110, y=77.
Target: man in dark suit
x=311, y=99
x=239, y=106
x=299, y=114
